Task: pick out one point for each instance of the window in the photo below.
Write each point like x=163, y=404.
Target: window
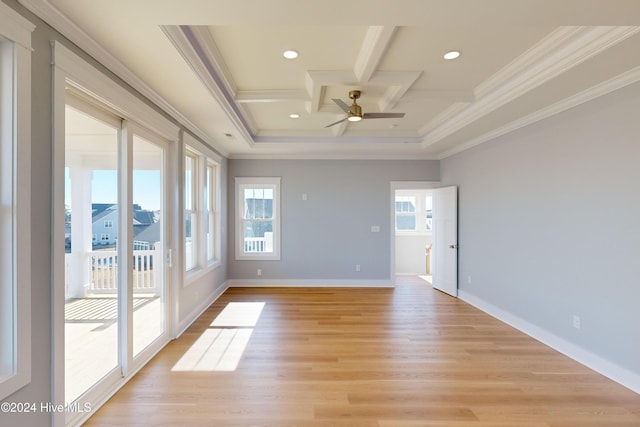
x=413, y=211
x=104, y=237
x=211, y=210
x=201, y=201
x=258, y=218
x=15, y=208
x=406, y=215
x=190, y=212
x=108, y=223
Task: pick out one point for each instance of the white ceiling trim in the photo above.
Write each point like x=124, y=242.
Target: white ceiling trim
x=603, y=88
x=196, y=46
x=576, y=45
x=375, y=44
x=325, y=156
x=277, y=139
x=52, y=16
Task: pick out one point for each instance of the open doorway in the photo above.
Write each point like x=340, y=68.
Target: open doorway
x=412, y=229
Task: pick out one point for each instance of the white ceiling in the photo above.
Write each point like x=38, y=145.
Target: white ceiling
x=217, y=66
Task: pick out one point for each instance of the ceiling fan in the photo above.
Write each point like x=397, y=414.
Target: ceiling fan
x=354, y=112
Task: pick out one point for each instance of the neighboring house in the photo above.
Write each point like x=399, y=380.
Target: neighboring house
x=258, y=209
x=105, y=226
x=145, y=236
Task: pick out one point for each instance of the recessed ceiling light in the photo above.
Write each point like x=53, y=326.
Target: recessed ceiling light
x=290, y=54
x=452, y=55
x=294, y=116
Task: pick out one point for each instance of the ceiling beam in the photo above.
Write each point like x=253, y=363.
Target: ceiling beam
x=374, y=46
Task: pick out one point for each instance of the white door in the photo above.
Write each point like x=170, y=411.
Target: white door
x=445, y=240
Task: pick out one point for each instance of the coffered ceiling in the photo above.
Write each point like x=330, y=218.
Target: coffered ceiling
x=218, y=67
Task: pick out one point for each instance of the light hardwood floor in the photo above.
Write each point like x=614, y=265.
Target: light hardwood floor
x=404, y=357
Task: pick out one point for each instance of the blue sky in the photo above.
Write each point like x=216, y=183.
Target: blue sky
x=146, y=188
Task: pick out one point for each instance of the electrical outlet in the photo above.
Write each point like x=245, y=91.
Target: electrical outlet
x=357, y=267
x=576, y=321
x=259, y=272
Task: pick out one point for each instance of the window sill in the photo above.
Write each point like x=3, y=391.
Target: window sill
x=269, y=257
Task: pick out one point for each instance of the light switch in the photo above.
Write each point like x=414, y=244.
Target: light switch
x=375, y=228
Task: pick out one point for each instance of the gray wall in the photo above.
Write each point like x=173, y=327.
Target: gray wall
x=41, y=121
x=548, y=224
x=324, y=237
x=39, y=389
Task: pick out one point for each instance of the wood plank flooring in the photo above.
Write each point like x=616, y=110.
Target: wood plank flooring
x=404, y=357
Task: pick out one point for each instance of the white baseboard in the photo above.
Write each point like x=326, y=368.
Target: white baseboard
x=621, y=375
x=201, y=308
x=311, y=283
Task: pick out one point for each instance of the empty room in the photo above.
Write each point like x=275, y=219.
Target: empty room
x=320, y=214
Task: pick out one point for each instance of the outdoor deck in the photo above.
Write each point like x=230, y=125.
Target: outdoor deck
x=91, y=336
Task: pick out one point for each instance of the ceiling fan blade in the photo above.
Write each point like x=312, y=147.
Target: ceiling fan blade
x=341, y=104
x=335, y=123
x=382, y=115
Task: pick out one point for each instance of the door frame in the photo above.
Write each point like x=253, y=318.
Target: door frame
x=71, y=71
x=401, y=185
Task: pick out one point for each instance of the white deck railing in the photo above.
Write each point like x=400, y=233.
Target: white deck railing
x=103, y=270
x=259, y=244
x=254, y=244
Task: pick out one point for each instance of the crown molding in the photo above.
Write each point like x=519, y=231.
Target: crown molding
x=601, y=89
x=52, y=16
x=354, y=139
x=326, y=156
x=196, y=46
x=15, y=27
x=561, y=51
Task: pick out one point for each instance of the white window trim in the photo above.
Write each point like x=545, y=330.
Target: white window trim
x=213, y=209
x=17, y=30
x=240, y=184
x=194, y=210
x=204, y=156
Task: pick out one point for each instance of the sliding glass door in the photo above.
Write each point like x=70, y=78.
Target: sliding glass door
x=147, y=241
x=115, y=230
x=91, y=249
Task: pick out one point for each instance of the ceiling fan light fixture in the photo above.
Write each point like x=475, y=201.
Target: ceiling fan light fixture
x=355, y=112
x=290, y=54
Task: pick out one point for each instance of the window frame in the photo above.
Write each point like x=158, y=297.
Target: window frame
x=241, y=184
x=211, y=210
x=420, y=213
x=408, y=213
x=191, y=210
x=204, y=159
x=15, y=152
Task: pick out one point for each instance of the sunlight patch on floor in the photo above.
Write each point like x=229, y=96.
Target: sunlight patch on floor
x=221, y=346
